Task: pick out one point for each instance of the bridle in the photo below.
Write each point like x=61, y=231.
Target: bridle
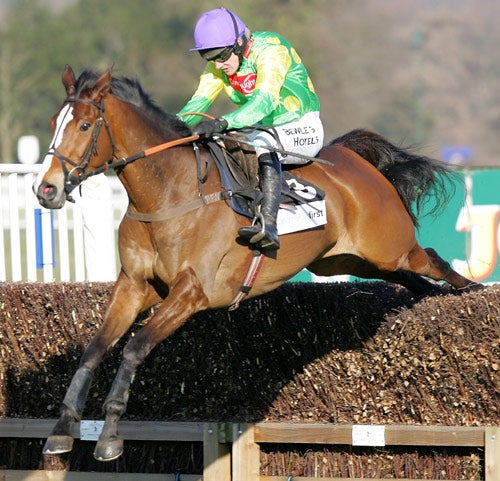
x=77, y=174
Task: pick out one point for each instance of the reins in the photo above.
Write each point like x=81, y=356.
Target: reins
x=78, y=174
x=140, y=155
x=71, y=183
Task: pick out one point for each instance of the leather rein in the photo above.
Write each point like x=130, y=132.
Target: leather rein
x=78, y=173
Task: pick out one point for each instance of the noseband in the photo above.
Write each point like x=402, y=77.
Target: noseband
x=77, y=174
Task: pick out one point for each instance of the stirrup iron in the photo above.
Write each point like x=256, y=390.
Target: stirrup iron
x=260, y=235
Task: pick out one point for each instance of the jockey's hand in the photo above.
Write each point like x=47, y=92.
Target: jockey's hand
x=206, y=128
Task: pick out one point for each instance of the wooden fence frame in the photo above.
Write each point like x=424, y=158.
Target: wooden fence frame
x=231, y=451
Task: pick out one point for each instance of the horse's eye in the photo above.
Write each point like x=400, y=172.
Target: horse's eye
x=85, y=126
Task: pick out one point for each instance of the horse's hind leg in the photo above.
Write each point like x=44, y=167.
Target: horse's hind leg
x=427, y=262
x=124, y=307
x=355, y=266
x=185, y=297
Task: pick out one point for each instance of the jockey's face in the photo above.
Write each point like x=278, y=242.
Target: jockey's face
x=229, y=66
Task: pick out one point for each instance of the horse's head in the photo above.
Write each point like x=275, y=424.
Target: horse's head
x=77, y=147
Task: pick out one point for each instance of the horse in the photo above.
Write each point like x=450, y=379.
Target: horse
x=189, y=259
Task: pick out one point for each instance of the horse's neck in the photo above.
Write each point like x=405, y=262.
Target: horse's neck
x=151, y=182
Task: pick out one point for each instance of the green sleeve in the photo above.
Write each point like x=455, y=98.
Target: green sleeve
x=272, y=66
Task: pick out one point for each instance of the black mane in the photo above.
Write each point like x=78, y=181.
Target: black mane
x=130, y=90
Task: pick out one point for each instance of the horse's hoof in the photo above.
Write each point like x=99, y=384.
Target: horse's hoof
x=108, y=450
x=58, y=444
x=474, y=287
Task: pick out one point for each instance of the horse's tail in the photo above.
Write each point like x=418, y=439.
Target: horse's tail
x=416, y=178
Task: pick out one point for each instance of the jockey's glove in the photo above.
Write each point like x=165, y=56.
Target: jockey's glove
x=206, y=128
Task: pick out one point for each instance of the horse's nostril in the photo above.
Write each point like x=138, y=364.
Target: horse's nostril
x=47, y=191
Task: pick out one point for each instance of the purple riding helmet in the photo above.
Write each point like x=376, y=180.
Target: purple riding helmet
x=217, y=28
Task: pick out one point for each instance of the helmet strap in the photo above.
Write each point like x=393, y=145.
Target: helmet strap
x=237, y=48
x=240, y=50
x=235, y=25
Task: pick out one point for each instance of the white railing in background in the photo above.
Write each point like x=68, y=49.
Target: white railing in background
x=75, y=243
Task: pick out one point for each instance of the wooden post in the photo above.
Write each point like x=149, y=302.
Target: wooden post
x=492, y=453
x=216, y=456
x=246, y=454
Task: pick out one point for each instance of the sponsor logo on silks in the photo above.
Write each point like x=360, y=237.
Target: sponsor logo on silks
x=480, y=223
x=244, y=83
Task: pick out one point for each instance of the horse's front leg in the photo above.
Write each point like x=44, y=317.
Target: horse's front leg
x=125, y=304
x=185, y=297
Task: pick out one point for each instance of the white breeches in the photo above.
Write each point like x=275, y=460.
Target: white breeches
x=303, y=136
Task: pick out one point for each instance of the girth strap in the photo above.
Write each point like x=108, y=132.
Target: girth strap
x=170, y=213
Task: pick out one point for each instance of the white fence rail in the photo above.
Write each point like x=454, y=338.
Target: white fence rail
x=76, y=243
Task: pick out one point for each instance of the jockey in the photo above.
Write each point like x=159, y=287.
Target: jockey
x=264, y=76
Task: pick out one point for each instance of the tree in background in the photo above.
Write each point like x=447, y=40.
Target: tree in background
x=18, y=79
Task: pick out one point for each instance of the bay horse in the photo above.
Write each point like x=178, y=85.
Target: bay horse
x=189, y=260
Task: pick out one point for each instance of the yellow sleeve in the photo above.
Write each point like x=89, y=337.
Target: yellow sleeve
x=209, y=87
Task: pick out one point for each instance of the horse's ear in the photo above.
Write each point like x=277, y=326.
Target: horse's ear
x=102, y=86
x=68, y=80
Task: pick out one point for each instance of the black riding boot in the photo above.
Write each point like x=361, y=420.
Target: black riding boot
x=266, y=236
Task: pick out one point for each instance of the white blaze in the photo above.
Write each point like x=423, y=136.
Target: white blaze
x=63, y=119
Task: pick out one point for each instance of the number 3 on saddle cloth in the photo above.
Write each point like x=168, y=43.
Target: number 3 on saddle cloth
x=302, y=204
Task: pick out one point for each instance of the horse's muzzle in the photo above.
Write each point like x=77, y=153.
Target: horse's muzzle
x=50, y=196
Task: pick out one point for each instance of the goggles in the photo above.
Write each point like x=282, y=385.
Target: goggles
x=217, y=54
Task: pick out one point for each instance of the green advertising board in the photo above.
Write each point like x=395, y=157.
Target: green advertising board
x=465, y=232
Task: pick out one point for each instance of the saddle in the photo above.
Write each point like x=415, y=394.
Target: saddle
x=239, y=171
